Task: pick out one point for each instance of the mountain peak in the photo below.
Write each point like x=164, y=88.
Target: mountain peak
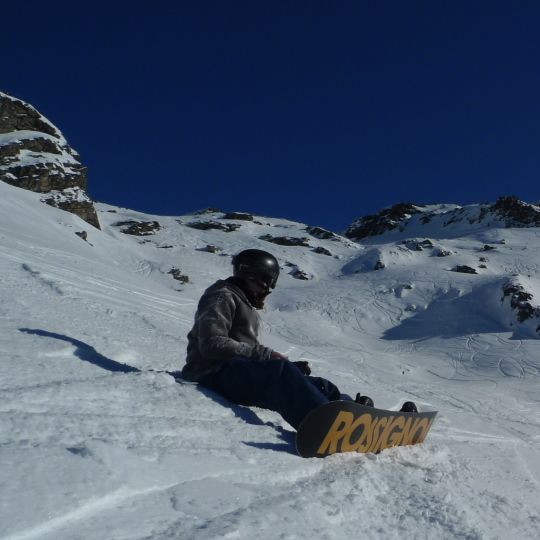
x=34, y=155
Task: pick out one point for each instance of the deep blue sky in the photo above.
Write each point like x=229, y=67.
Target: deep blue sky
x=318, y=111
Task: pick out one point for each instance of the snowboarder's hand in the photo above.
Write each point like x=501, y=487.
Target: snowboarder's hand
x=277, y=356
x=303, y=366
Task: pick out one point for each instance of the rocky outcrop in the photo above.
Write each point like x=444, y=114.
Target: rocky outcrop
x=138, y=228
x=205, y=211
x=286, y=240
x=520, y=302
x=213, y=225
x=322, y=234
x=34, y=155
x=464, y=269
x=507, y=211
x=176, y=273
x=516, y=213
x=73, y=200
x=418, y=245
x=386, y=220
x=297, y=273
x=322, y=251
x=241, y=216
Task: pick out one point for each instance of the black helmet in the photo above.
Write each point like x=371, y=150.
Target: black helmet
x=256, y=264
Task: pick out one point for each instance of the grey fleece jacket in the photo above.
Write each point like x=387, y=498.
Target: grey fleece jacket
x=226, y=325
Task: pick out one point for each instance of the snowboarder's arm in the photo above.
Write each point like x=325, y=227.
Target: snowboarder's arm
x=215, y=320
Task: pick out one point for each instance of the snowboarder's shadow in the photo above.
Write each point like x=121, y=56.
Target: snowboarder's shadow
x=87, y=353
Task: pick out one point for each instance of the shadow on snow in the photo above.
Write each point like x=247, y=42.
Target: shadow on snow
x=451, y=315
x=87, y=353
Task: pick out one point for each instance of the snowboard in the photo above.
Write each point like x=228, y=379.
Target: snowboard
x=346, y=426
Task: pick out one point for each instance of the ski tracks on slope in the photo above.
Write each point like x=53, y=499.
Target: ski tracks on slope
x=77, y=284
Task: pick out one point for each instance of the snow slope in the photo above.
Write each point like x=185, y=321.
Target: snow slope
x=92, y=450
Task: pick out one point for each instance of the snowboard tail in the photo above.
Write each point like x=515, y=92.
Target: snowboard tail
x=346, y=426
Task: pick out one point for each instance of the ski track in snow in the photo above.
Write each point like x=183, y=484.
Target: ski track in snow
x=88, y=453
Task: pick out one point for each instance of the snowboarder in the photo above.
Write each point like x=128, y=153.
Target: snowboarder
x=224, y=354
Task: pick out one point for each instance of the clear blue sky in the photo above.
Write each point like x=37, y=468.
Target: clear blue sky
x=318, y=111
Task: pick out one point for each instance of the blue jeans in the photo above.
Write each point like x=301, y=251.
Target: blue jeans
x=274, y=384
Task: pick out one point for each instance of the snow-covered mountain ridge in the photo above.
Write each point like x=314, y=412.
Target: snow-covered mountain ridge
x=88, y=452
x=445, y=220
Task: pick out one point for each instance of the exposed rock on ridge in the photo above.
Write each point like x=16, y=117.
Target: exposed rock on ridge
x=506, y=212
x=34, y=155
x=386, y=220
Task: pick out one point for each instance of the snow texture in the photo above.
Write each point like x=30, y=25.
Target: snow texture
x=92, y=449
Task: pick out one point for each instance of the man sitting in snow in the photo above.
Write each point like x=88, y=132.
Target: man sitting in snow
x=224, y=354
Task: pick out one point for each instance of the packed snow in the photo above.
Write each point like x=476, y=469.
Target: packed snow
x=91, y=448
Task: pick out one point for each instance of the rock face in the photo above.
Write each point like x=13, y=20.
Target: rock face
x=213, y=225
x=286, y=240
x=34, y=155
x=386, y=220
x=138, y=228
x=520, y=302
x=323, y=234
x=517, y=213
x=242, y=216
x=507, y=211
x=464, y=269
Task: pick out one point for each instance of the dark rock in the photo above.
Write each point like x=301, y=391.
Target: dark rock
x=300, y=274
x=15, y=115
x=418, y=245
x=482, y=266
x=386, y=220
x=211, y=249
x=379, y=265
x=238, y=216
x=443, y=253
x=322, y=234
x=464, y=269
x=516, y=213
x=520, y=301
x=75, y=201
x=322, y=251
x=286, y=240
x=488, y=248
x=177, y=274
x=208, y=210
x=138, y=228
x=483, y=259
x=55, y=166
x=82, y=234
x=213, y=225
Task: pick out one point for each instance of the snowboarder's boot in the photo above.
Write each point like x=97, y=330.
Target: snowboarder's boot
x=408, y=406
x=364, y=400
